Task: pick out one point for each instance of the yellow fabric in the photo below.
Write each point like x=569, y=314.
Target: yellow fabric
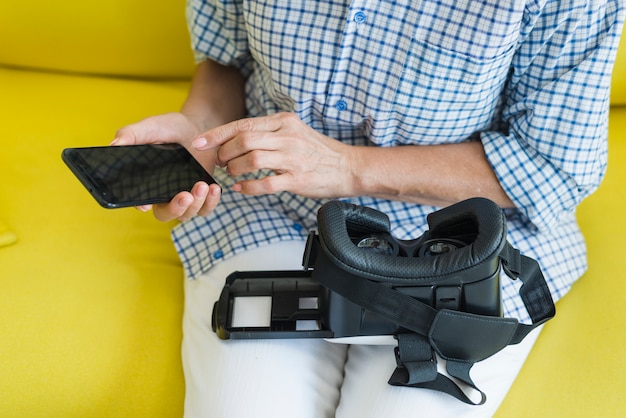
x=91, y=299
x=7, y=236
x=618, y=90
x=121, y=37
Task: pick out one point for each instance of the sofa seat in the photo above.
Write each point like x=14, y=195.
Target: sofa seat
x=91, y=299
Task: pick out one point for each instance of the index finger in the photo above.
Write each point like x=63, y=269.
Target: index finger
x=216, y=137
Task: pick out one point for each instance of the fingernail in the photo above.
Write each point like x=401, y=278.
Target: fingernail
x=114, y=142
x=202, y=191
x=200, y=142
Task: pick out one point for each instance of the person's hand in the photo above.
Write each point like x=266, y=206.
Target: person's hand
x=304, y=161
x=169, y=128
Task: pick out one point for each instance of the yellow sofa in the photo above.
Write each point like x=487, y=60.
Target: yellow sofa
x=91, y=299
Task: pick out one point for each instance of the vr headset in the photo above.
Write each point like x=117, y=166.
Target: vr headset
x=439, y=293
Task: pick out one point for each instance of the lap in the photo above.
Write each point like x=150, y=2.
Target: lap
x=309, y=378
x=365, y=392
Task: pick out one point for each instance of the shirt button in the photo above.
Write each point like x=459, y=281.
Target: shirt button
x=360, y=17
x=341, y=105
x=218, y=254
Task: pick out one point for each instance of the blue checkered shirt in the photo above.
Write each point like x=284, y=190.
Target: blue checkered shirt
x=530, y=79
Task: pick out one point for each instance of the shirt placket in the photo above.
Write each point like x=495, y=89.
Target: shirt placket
x=373, y=48
x=341, y=103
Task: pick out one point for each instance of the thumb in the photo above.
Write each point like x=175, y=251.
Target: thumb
x=126, y=136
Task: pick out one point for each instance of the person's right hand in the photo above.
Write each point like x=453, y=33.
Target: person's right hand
x=178, y=128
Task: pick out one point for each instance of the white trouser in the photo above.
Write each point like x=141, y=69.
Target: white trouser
x=304, y=378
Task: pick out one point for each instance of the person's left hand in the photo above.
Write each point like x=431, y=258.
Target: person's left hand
x=304, y=161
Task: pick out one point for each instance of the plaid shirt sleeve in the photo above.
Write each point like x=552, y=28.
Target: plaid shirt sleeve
x=552, y=152
x=217, y=30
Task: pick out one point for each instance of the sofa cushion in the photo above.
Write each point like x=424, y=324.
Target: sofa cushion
x=7, y=237
x=91, y=299
x=119, y=37
x=618, y=89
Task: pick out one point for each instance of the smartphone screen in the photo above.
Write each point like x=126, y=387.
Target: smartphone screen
x=135, y=175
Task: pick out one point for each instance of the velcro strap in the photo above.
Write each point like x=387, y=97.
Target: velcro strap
x=416, y=360
x=534, y=292
x=417, y=368
x=468, y=337
x=461, y=370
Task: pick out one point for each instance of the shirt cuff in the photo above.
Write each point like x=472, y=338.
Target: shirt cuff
x=541, y=192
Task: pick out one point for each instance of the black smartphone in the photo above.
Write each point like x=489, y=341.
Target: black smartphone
x=135, y=175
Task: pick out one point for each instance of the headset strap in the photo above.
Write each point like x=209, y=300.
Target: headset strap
x=461, y=338
x=417, y=367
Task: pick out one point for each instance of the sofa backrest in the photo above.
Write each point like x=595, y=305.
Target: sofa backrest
x=138, y=38
x=618, y=90
x=113, y=37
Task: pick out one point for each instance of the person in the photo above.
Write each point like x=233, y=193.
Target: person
x=405, y=107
